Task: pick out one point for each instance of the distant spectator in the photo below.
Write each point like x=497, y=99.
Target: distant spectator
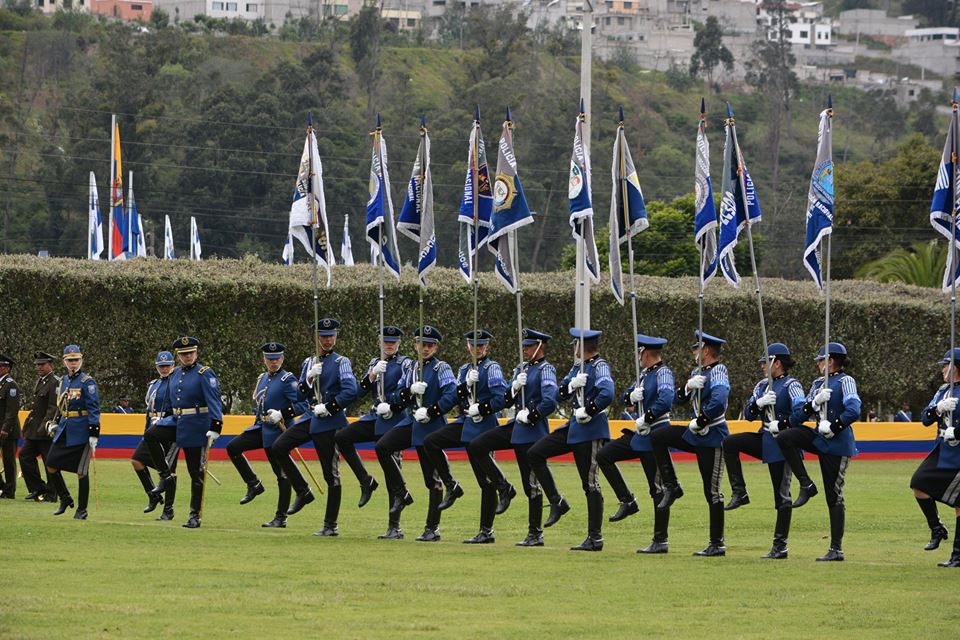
x=904, y=415
x=123, y=405
x=872, y=416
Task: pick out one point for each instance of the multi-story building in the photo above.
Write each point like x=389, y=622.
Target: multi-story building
x=132, y=10
x=274, y=12
x=876, y=24
x=51, y=6
x=936, y=50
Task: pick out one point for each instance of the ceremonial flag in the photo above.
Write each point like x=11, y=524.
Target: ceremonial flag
x=94, y=222
x=510, y=210
x=168, y=251
x=705, y=219
x=288, y=251
x=346, y=248
x=820, y=199
x=628, y=212
x=194, y=240
x=739, y=201
x=476, y=206
x=308, y=212
x=946, y=198
x=119, y=233
x=416, y=216
x=380, y=207
x=138, y=246
x=580, y=200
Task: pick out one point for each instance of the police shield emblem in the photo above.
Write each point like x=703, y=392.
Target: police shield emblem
x=503, y=193
x=576, y=181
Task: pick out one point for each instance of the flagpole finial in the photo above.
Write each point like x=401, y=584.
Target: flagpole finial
x=703, y=108
x=509, y=118
x=954, y=97
x=310, y=119
x=476, y=113
x=830, y=101
x=729, y=111
x=620, y=115
x=379, y=127
x=423, y=121
x=582, y=110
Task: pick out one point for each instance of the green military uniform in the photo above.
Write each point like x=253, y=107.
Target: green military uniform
x=9, y=429
x=36, y=439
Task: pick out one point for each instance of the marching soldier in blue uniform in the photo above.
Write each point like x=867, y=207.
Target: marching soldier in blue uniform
x=654, y=395
x=427, y=392
x=937, y=479
x=328, y=384
x=835, y=406
x=195, y=400
x=75, y=433
x=382, y=379
x=592, y=391
x=9, y=427
x=480, y=391
x=533, y=391
x=36, y=439
x=123, y=405
x=773, y=407
x=707, y=391
x=159, y=416
x=276, y=401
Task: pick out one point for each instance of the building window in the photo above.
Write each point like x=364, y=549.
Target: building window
x=231, y=6
x=621, y=20
x=804, y=34
x=605, y=20
x=340, y=9
x=628, y=5
x=251, y=8
x=411, y=22
x=134, y=7
x=39, y=3
x=439, y=3
x=217, y=6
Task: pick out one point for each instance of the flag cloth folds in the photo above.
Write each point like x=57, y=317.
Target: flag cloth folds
x=943, y=208
x=510, y=212
x=119, y=232
x=138, y=246
x=94, y=222
x=476, y=204
x=739, y=200
x=168, y=251
x=628, y=212
x=705, y=219
x=381, y=233
x=416, y=216
x=346, y=248
x=195, y=250
x=308, y=211
x=288, y=251
x=820, y=199
x=580, y=200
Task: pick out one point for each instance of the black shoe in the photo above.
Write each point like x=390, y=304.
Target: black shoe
x=656, y=547
x=556, y=512
x=49, y=497
x=392, y=533
x=80, y=514
x=713, y=550
x=625, y=510
x=533, y=539
x=738, y=500
x=506, y=495
x=806, y=492
x=400, y=503
x=279, y=522
x=453, y=494
x=154, y=501
x=65, y=503
x=954, y=561
x=936, y=535
x=366, y=491
x=590, y=544
x=777, y=552
x=833, y=555
x=34, y=495
x=164, y=483
x=301, y=501
x=670, y=495
x=253, y=490
x=328, y=531
x=484, y=537
x=166, y=515
x=429, y=535
x=7, y=496
x=193, y=522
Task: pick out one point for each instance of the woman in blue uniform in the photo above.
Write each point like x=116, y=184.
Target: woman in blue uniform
x=159, y=415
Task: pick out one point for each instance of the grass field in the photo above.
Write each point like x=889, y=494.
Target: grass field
x=121, y=574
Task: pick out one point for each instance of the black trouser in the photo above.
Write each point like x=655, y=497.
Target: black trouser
x=8, y=449
x=160, y=441
x=585, y=457
x=393, y=442
x=250, y=441
x=710, y=462
x=326, y=447
x=780, y=476
x=448, y=437
x=833, y=470
x=28, y=465
x=489, y=475
x=619, y=450
x=347, y=439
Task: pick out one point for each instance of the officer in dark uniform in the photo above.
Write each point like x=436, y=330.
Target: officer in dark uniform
x=427, y=392
x=587, y=431
x=123, y=405
x=835, y=406
x=330, y=387
x=533, y=391
x=707, y=390
x=159, y=415
x=76, y=433
x=938, y=476
x=36, y=440
x=480, y=391
x=654, y=396
x=773, y=407
x=382, y=379
x=276, y=401
x=196, y=402
x=9, y=427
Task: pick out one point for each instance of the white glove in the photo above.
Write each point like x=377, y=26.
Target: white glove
x=581, y=415
x=93, y=444
x=380, y=368
x=212, y=436
x=320, y=410
x=274, y=416
x=950, y=436
x=773, y=427
x=473, y=376
x=578, y=381
x=51, y=428
x=822, y=397
x=636, y=396
x=421, y=416
x=767, y=400
x=314, y=371
x=519, y=382
x=947, y=405
x=696, y=382
x=473, y=410
x=384, y=410
x=643, y=428
x=523, y=416
x=697, y=429
x=418, y=388
x=824, y=428
x=153, y=421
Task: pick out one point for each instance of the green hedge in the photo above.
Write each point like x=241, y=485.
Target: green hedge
x=122, y=313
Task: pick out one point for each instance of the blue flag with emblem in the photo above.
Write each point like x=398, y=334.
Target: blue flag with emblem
x=416, y=216
x=308, y=210
x=820, y=199
x=705, y=219
x=476, y=206
x=580, y=199
x=510, y=211
x=94, y=223
x=628, y=212
x=944, y=207
x=381, y=233
x=738, y=204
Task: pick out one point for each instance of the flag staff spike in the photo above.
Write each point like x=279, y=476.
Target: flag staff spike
x=509, y=118
x=476, y=113
x=620, y=115
x=703, y=108
x=624, y=203
x=378, y=155
x=423, y=121
x=729, y=111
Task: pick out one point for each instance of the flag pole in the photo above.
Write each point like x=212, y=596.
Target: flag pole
x=951, y=261
x=581, y=270
x=633, y=281
x=313, y=226
x=129, y=214
x=828, y=241
x=696, y=401
x=420, y=202
x=380, y=261
x=90, y=231
x=476, y=238
x=113, y=180
x=514, y=259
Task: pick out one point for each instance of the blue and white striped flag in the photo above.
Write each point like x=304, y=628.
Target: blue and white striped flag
x=476, y=206
x=738, y=203
x=510, y=211
x=416, y=216
x=308, y=211
x=94, y=222
x=195, y=249
x=580, y=199
x=946, y=199
x=138, y=245
x=705, y=219
x=287, y=255
x=381, y=233
x=346, y=247
x=820, y=199
x=628, y=212
x=168, y=251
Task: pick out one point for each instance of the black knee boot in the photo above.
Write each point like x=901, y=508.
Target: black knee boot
x=938, y=532
x=837, y=522
x=60, y=485
x=535, y=514
x=780, y=532
x=283, y=497
x=716, y=523
x=169, y=495
x=594, y=540
x=147, y=482
x=488, y=506
x=83, y=497
x=661, y=521
x=433, y=509
x=954, y=560
x=334, y=493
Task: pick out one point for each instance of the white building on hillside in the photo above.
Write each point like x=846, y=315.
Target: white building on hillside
x=936, y=50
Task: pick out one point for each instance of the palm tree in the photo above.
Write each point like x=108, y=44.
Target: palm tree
x=921, y=265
